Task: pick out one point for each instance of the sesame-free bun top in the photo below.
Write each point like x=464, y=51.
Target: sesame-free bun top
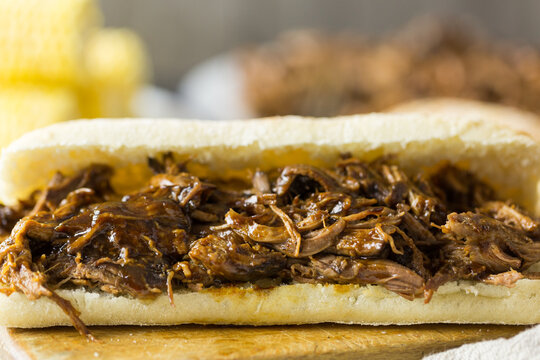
x=517, y=119
x=507, y=159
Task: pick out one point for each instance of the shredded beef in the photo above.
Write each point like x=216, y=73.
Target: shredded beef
x=493, y=244
x=358, y=223
x=9, y=217
x=344, y=270
x=231, y=258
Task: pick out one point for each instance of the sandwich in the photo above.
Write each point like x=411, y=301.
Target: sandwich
x=372, y=219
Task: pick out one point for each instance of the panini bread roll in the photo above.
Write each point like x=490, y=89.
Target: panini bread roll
x=252, y=222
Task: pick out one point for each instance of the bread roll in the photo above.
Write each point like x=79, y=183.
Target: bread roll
x=506, y=159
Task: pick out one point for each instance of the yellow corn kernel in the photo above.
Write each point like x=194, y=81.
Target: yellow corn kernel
x=116, y=66
x=25, y=108
x=43, y=40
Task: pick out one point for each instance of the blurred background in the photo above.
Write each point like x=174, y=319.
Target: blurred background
x=181, y=33
x=215, y=59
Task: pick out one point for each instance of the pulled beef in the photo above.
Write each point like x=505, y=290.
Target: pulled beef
x=9, y=217
x=359, y=223
x=491, y=243
x=460, y=189
x=344, y=270
x=367, y=243
x=95, y=177
x=231, y=258
x=306, y=179
x=512, y=216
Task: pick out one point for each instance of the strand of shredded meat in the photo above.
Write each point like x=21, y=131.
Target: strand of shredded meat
x=358, y=223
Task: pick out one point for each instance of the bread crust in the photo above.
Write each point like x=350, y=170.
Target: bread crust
x=508, y=160
x=517, y=119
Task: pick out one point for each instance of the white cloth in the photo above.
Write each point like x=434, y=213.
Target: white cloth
x=212, y=90
x=523, y=346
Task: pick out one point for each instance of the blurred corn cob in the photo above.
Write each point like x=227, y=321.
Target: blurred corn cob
x=43, y=40
x=57, y=63
x=116, y=66
x=24, y=108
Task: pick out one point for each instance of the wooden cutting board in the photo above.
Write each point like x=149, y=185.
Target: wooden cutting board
x=326, y=341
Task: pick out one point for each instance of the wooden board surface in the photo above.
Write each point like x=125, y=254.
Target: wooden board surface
x=326, y=341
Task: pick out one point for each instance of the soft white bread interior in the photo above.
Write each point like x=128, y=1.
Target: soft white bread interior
x=507, y=159
x=520, y=120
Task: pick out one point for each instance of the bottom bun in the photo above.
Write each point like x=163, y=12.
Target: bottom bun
x=463, y=302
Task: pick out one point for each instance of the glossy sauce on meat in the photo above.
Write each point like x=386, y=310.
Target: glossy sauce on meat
x=358, y=223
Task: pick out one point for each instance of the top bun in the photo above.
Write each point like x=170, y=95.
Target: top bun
x=520, y=120
x=505, y=158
